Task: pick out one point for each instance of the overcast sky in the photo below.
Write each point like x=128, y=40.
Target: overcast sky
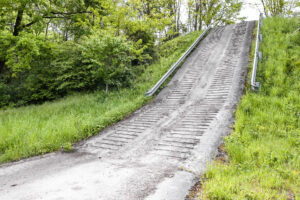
x=251, y=9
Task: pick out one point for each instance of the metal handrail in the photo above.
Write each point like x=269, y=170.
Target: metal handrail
x=258, y=55
x=175, y=65
x=296, y=31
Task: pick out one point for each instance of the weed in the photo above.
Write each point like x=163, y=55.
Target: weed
x=67, y=147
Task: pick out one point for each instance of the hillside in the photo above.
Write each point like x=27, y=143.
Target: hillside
x=39, y=129
x=264, y=150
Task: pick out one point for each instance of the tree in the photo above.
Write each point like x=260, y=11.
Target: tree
x=174, y=9
x=111, y=55
x=161, y=17
x=206, y=12
x=36, y=15
x=279, y=7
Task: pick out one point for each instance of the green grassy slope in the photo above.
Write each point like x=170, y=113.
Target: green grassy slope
x=264, y=149
x=34, y=130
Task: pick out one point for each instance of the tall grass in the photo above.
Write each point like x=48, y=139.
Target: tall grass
x=38, y=129
x=264, y=149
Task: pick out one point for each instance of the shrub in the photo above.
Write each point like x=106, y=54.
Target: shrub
x=34, y=70
x=111, y=57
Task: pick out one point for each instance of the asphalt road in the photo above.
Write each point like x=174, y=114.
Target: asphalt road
x=160, y=150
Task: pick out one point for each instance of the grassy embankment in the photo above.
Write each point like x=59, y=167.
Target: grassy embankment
x=264, y=148
x=38, y=129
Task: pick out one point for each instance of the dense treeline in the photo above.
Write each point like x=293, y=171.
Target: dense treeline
x=49, y=48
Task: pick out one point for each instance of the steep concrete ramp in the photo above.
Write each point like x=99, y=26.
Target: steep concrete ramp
x=160, y=150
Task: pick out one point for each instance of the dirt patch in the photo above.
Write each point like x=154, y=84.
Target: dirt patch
x=196, y=192
x=291, y=195
x=222, y=156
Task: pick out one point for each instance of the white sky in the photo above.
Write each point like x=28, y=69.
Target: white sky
x=251, y=9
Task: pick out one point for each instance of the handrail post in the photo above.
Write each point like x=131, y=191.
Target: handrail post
x=257, y=55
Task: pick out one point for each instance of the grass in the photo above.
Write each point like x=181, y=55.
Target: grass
x=39, y=129
x=264, y=148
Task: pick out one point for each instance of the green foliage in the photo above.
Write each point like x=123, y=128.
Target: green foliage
x=21, y=54
x=4, y=95
x=6, y=41
x=216, y=12
x=26, y=74
x=67, y=147
x=144, y=42
x=110, y=56
x=49, y=49
x=279, y=7
x=71, y=73
x=38, y=129
x=37, y=70
x=264, y=148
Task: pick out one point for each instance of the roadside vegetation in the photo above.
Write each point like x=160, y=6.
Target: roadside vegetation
x=264, y=148
x=38, y=129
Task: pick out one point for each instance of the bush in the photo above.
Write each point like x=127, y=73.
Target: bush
x=26, y=72
x=144, y=40
x=4, y=96
x=110, y=56
x=73, y=73
x=34, y=70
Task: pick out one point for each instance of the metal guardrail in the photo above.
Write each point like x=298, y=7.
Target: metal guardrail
x=296, y=31
x=175, y=65
x=257, y=56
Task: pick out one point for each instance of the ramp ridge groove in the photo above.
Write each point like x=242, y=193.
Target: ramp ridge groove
x=170, y=103
x=220, y=88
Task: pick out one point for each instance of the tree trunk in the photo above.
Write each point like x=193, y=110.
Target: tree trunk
x=196, y=22
x=106, y=88
x=178, y=15
x=200, y=16
x=66, y=35
x=46, y=33
x=148, y=7
x=265, y=8
x=190, y=24
x=2, y=63
x=196, y=16
x=18, y=24
x=173, y=14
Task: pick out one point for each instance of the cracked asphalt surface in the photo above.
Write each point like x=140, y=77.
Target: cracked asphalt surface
x=159, y=151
